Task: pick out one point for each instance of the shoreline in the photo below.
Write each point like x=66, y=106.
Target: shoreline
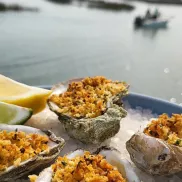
x=170, y=2
x=100, y=4
x=16, y=7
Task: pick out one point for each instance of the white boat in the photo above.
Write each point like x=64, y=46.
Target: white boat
x=151, y=20
x=151, y=23
x=158, y=23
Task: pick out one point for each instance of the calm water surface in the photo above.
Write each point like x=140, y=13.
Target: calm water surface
x=62, y=41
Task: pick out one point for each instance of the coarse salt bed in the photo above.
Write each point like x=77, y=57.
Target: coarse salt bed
x=136, y=120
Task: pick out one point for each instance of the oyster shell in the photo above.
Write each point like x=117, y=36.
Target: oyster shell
x=91, y=130
x=55, y=145
x=111, y=155
x=153, y=155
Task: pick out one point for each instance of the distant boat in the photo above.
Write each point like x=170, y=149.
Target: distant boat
x=151, y=21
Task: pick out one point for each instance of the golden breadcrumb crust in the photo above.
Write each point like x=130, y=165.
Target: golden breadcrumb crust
x=16, y=147
x=166, y=128
x=87, y=98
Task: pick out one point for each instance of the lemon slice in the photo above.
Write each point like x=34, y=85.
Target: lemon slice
x=23, y=95
x=12, y=114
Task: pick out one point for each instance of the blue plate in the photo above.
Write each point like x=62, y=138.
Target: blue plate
x=158, y=106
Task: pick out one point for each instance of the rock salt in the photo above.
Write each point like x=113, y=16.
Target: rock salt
x=137, y=119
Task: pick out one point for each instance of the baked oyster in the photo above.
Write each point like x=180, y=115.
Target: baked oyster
x=103, y=165
x=90, y=109
x=24, y=148
x=158, y=149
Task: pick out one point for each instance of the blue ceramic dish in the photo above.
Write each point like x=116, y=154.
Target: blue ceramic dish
x=158, y=106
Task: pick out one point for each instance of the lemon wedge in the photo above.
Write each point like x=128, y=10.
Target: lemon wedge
x=23, y=95
x=12, y=114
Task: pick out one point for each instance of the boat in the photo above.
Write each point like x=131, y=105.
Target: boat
x=151, y=21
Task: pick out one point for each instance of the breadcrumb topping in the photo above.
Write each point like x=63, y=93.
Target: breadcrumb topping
x=16, y=147
x=87, y=168
x=88, y=98
x=166, y=128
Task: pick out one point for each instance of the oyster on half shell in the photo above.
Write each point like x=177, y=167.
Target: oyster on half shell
x=153, y=155
x=110, y=154
x=91, y=130
x=157, y=150
x=55, y=145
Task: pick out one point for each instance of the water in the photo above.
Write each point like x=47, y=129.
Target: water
x=62, y=41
